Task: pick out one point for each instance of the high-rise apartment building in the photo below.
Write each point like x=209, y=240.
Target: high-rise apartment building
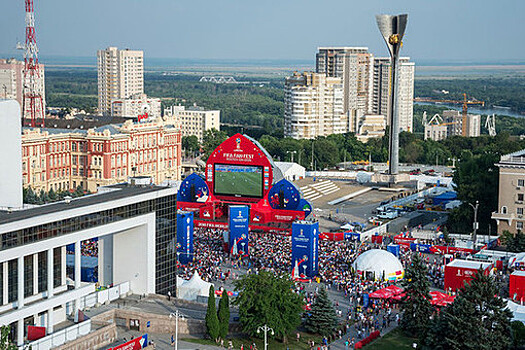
x=353, y=65
x=194, y=120
x=381, y=88
x=137, y=106
x=313, y=106
x=120, y=76
x=510, y=215
x=12, y=80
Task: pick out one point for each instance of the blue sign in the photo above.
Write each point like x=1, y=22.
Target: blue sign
x=418, y=247
x=366, y=300
x=184, y=236
x=239, y=217
x=305, y=242
x=393, y=248
x=193, y=189
x=285, y=195
x=305, y=206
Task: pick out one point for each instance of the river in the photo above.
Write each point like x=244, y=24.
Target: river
x=474, y=110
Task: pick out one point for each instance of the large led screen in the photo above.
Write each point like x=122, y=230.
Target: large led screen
x=238, y=180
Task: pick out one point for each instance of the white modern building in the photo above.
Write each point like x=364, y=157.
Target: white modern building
x=382, y=85
x=137, y=106
x=120, y=76
x=313, y=106
x=194, y=120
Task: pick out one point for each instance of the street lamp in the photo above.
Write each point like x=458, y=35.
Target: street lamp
x=265, y=329
x=292, y=152
x=475, y=224
x=176, y=314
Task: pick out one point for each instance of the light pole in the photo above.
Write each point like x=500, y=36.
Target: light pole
x=176, y=314
x=292, y=153
x=265, y=329
x=475, y=225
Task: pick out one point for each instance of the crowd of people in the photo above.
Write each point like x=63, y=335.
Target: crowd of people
x=88, y=247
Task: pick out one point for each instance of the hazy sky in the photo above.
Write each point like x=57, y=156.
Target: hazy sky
x=470, y=30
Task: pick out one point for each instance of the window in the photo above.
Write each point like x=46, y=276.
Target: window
x=519, y=225
x=520, y=197
x=521, y=182
x=504, y=210
x=519, y=211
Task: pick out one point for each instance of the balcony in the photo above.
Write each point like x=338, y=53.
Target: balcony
x=505, y=217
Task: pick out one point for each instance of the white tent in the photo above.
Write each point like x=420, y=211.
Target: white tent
x=379, y=264
x=517, y=259
x=193, y=288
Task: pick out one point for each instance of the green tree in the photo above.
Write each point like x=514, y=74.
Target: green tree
x=446, y=236
x=212, y=322
x=518, y=334
x=513, y=242
x=5, y=344
x=415, y=306
x=475, y=179
x=322, y=319
x=224, y=315
x=51, y=195
x=268, y=299
x=477, y=319
x=190, y=143
x=212, y=139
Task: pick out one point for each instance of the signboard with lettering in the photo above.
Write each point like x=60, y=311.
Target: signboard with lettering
x=184, y=236
x=134, y=344
x=239, y=216
x=305, y=242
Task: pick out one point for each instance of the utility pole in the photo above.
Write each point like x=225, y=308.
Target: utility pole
x=475, y=225
x=312, y=165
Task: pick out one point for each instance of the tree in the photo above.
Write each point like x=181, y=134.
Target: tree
x=212, y=322
x=224, y=316
x=518, y=334
x=415, y=305
x=322, y=319
x=212, y=139
x=190, y=143
x=268, y=299
x=5, y=344
x=446, y=236
x=477, y=319
x=514, y=242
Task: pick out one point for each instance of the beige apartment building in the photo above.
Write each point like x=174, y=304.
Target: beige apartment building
x=313, y=106
x=137, y=106
x=511, y=201
x=12, y=81
x=120, y=76
x=195, y=120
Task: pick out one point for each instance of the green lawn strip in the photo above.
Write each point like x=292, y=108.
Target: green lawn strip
x=273, y=344
x=394, y=340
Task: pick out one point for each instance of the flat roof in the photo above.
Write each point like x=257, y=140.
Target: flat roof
x=119, y=191
x=469, y=264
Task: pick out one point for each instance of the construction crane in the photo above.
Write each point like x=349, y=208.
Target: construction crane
x=464, y=102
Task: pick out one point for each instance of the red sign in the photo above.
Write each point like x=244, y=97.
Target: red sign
x=143, y=116
x=134, y=344
x=35, y=333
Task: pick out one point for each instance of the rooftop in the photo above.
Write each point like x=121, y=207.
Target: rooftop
x=469, y=264
x=114, y=192
x=517, y=158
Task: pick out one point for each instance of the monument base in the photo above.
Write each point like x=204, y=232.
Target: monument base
x=390, y=179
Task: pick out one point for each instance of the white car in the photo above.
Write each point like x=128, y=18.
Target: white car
x=388, y=215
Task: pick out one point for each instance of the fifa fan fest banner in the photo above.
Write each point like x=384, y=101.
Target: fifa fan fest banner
x=239, y=217
x=305, y=242
x=134, y=344
x=184, y=236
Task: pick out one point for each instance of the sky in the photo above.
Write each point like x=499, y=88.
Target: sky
x=438, y=30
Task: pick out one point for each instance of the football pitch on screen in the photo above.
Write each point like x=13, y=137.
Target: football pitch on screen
x=245, y=184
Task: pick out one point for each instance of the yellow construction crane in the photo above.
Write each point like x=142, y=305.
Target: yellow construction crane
x=465, y=104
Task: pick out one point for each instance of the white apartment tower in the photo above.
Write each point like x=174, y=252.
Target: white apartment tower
x=313, y=106
x=120, y=76
x=194, y=120
x=381, y=87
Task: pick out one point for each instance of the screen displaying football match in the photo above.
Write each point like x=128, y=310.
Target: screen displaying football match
x=238, y=180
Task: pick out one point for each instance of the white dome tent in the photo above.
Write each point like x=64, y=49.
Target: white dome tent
x=193, y=288
x=379, y=264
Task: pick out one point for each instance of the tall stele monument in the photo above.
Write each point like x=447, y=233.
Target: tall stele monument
x=392, y=29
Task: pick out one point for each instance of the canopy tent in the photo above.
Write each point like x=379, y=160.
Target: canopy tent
x=441, y=299
x=390, y=292
x=379, y=264
x=193, y=288
x=517, y=260
x=395, y=290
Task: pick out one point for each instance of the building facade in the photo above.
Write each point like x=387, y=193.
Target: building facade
x=134, y=229
x=194, y=120
x=138, y=106
x=381, y=88
x=12, y=81
x=511, y=202
x=62, y=159
x=120, y=76
x=313, y=106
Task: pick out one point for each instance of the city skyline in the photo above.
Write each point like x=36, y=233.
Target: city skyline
x=286, y=30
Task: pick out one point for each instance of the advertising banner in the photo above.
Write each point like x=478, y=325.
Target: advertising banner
x=184, y=236
x=305, y=242
x=239, y=219
x=35, y=333
x=134, y=344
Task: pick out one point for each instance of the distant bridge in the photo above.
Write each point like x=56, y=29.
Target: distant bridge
x=229, y=80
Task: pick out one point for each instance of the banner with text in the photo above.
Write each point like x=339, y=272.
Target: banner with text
x=239, y=219
x=305, y=241
x=184, y=236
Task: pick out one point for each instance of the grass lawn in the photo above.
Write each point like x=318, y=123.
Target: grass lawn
x=272, y=343
x=394, y=340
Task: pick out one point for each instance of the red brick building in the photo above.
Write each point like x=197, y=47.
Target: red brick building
x=64, y=159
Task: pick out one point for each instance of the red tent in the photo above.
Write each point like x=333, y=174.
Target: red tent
x=394, y=289
x=440, y=299
x=399, y=296
x=381, y=294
